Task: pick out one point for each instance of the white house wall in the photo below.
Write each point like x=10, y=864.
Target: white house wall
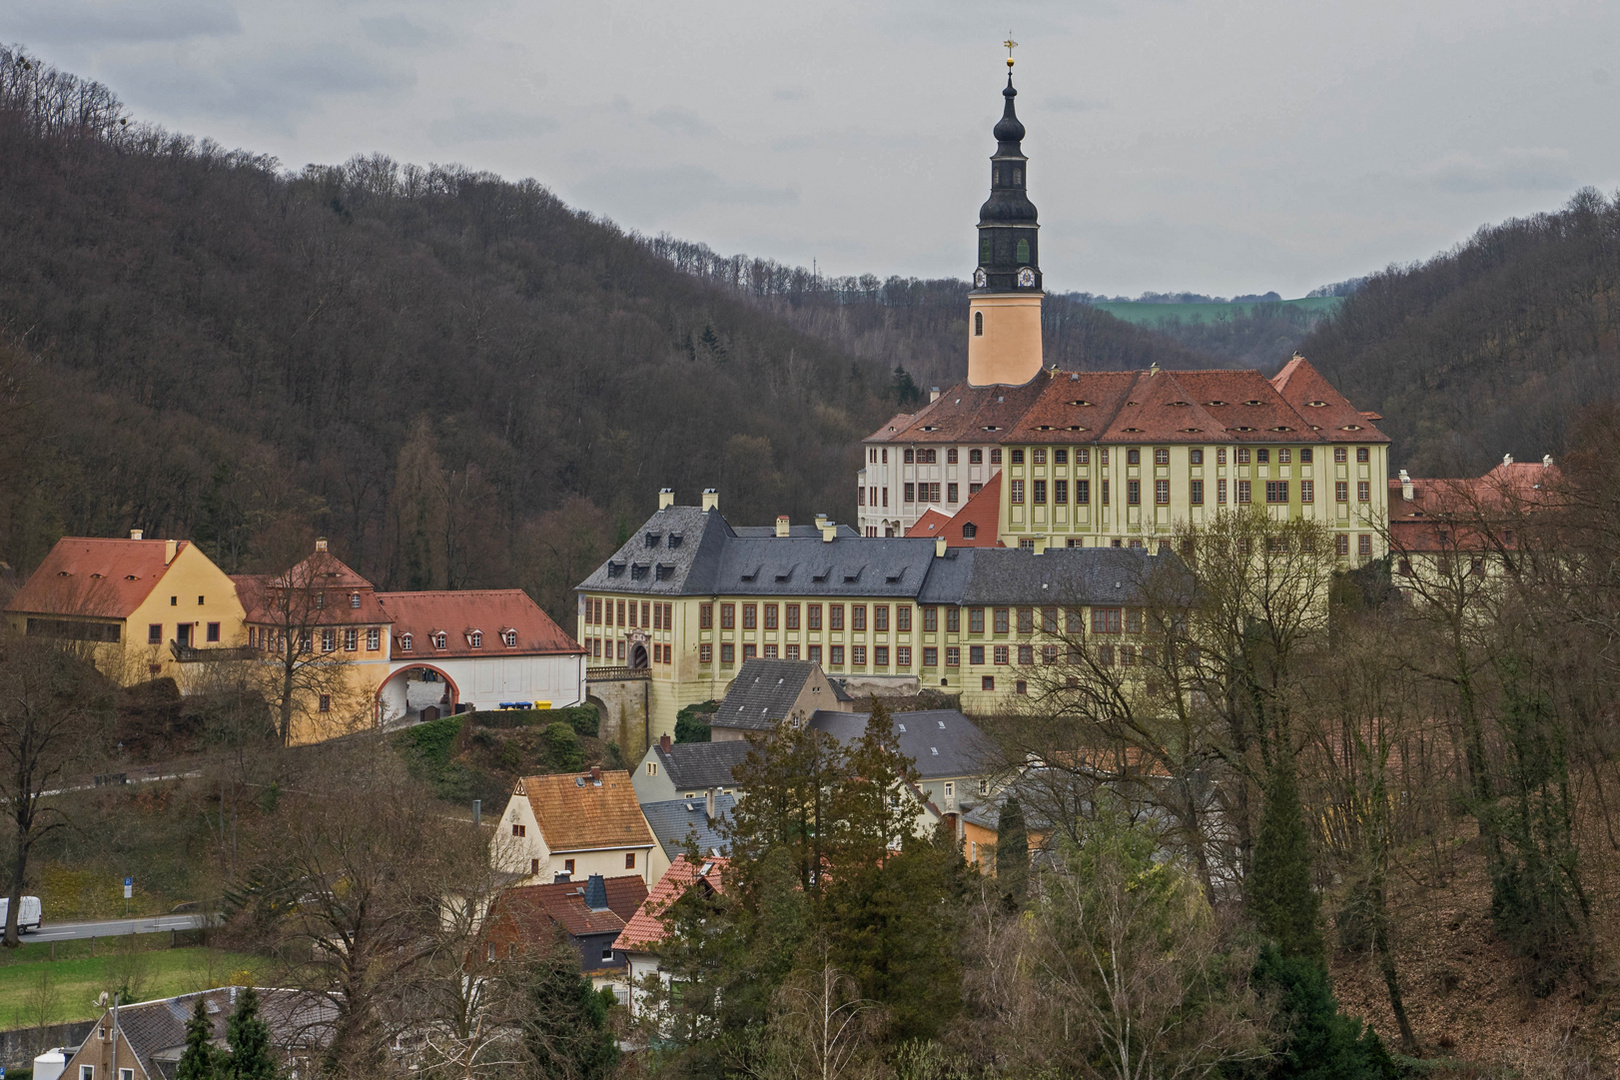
x=486, y=681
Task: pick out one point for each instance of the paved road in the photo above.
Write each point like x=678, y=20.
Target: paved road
x=116, y=927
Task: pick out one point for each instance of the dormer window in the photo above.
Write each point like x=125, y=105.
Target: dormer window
x=509, y=638
x=354, y=600
x=475, y=638
x=969, y=531
x=404, y=643
x=674, y=541
x=441, y=639
x=653, y=538
x=615, y=569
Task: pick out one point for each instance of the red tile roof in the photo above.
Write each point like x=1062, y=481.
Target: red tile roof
x=579, y=813
x=458, y=613
x=1298, y=405
x=321, y=575
x=522, y=914
x=982, y=510
x=646, y=928
x=95, y=577
x=1448, y=514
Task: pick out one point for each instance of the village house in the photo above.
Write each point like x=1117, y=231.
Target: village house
x=569, y=826
x=767, y=691
x=699, y=821
x=671, y=770
x=953, y=756
x=589, y=914
x=644, y=933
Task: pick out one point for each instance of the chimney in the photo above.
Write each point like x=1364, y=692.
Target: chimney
x=134, y=534
x=708, y=805
x=821, y=520
x=1406, y=486
x=320, y=544
x=1507, y=459
x=664, y=743
x=596, y=775
x=939, y=547
x=169, y=547
x=1546, y=461
x=1040, y=545
x=596, y=893
x=711, y=499
x=829, y=532
x=933, y=394
x=666, y=498
x=782, y=528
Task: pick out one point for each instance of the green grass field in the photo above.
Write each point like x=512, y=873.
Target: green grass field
x=34, y=989
x=1149, y=314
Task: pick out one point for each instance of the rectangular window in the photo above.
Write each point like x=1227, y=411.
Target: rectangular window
x=885, y=496
x=645, y=604
x=950, y=456
x=1001, y=620
x=930, y=657
x=1244, y=492
x=1040, y=492
x=928, y=493
x=154, y=634
x=837, y=652
x=728, y=654
x=953, y=620
x=1002, y=654
x=1017, y=457
x=705, y=616
x=1082, y=457
x=857, y=655
x=953, y=656
x=1364, y=544
x=351, y=639
x=1106, y=620
x=1133, y=457
x=792, y=652
x=880, y=656
x=902, y=618
x=1305, y=455
x=1161, y=493
x=326, y=703
x=1017, y=491
x=857, y=616
x=1363, y=491
x=1195, y=457
x=770, y=652
x=976, y=620
x=1262, y=456
x=373, y=639
x=705, y=654
x=975, y=457
x=1026, y=620
x=1284, y=456
x=1060, y=492
x=770, y=617
x=1341, y=544
x=1307, y=491
x=815, y=654
x=629, y=860
x=1133, y=620
x=728, y=616
x=750, y=616
x=813, y=616
x=1038, y=456
x=987, y=682
x=1105, y=492
x=1243, y=455
x=1161, y=456
x=1276, y=491
x=658, y=617
x=835, y=616
x=1341, y=491
x=1026, y=655
x=1220, y=455
x=1133, y=492
x=519, y=830
x=792, y=613
x=1341, y=455
x=976, y=654
x=1082, y=492
x=328, y=640
x=1060, y=457
x=1361, y=454
x=951, y=493
x=750, y=652
x=1071, y=621
x=911, y=493
x=911, y=457
x=1196, y=490
x=213, y=631
x=880, y=618
x=930, y=620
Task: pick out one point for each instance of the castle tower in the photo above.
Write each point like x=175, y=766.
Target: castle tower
x=1004, y=312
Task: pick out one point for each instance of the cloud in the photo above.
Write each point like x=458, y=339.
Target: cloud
x=277, y=86
x=82, y=22
x=680, y=122
x=488, y=125
x=1065, y=103
x=658, y=194
x=395, y=31
x=1509, y=169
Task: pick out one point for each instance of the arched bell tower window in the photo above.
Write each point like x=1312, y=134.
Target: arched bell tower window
x=1018, y=177
x=985, y=248
x=995, y=177
x=1023, y=251
x=978, y=324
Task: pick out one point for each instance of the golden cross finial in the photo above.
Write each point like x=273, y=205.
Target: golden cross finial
x=1011, y=45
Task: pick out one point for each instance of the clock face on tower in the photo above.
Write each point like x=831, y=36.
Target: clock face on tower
x=980, y=278
x=1026, y=277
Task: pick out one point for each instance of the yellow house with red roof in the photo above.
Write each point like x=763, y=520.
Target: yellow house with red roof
x=144, y=609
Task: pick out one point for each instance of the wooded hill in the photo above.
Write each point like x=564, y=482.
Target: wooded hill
x=461, y=380
x=1488, y=348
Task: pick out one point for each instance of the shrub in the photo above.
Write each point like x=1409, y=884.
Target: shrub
x=562, y=747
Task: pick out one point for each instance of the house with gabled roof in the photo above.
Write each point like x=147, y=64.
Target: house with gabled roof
x=641, y=937
x=954, y=759
x=768, y=691
x=569, y=826
x=589, y=913
x=699, y=822
x=672, y=770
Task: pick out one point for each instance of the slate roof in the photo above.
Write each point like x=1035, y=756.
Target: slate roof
x=673, y=821
x=942, y=742
x=696, y=766
x=646, y=929
x=762, y=693
x=577, y=813
x=1082, y=407
x=156, y=1030
x=1063, y=576
x=458, y=612
x=95, y=577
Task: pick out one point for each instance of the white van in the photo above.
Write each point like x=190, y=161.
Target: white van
x=28, y=915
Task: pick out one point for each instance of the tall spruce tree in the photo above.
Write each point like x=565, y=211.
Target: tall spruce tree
x=566, y=1030
x=1280, y=899
x=1012, y=852
x=199, y=1060
x=252, y=1057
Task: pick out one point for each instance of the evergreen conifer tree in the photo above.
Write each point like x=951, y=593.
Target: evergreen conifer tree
x=199, y=1060
x=1012, y=851
x=1280, y=899
x=566, y=1030
x=252, y=1057
x=1313, y=1039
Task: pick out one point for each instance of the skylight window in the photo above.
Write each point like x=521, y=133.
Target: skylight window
x=1217, y=401
x=1078, y=402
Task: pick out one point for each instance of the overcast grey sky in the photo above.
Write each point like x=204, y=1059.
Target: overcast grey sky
x=1223, y=147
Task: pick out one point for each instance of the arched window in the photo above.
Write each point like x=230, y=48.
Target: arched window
x=440, y=640
x=475, y=638
x=1018, y=177
x=1023, y=251
x=510, y=638
x=978, y=324
x=404, y=643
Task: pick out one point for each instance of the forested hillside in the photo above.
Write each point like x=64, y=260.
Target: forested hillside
x=1488, y=348
x=460, y=379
